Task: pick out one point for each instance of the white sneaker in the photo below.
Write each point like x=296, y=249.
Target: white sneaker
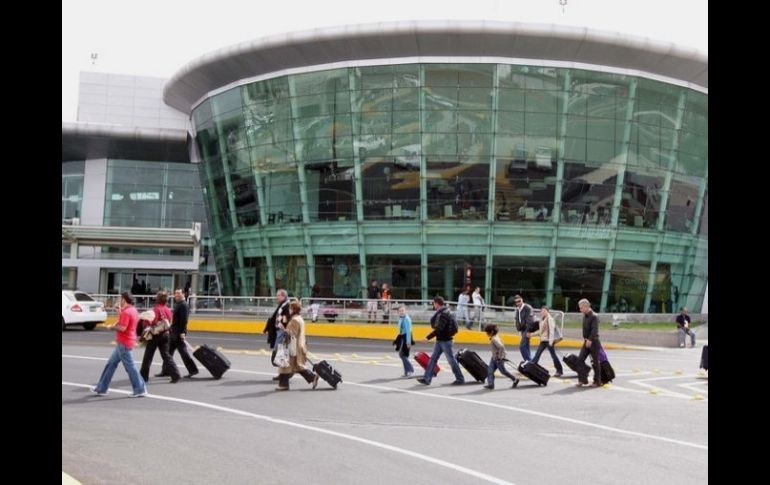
x=141, y=394
x=93, y=389
x=408, y=375
x=681, y=346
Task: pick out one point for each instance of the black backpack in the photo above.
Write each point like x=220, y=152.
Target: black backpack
x=452, y=325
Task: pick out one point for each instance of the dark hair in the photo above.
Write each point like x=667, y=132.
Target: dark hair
x=491, y=329
x=295, y=307
x=126, y=295
x=439, y=300
x=161, y=298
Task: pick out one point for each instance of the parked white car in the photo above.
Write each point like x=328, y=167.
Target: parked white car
x=78, y=308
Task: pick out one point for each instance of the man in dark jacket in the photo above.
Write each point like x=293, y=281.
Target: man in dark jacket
x=444, y=328
x=276, y=324
x=683, y=328
x=591, y=343
x=525, y=322
x=179, y=333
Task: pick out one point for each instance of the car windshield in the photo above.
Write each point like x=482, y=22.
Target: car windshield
x=83, y=297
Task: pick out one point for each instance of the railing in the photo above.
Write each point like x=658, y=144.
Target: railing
x=336, y=310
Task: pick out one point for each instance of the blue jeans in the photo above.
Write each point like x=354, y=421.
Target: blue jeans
x=495, y=364
x=682, y=335
x=524, y=346
x=408, y=369
x=121, y=354
x=556, y=363
x=446, y=347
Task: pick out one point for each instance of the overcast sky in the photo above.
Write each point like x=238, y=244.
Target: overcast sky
x=156, y=37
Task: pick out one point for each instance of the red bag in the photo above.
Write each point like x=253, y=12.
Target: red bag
x=423, y=359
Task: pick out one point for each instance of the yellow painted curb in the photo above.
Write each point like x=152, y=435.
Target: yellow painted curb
x=367, y=331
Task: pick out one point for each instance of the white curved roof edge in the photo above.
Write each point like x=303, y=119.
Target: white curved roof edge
x=432, y=38
x=120, y=131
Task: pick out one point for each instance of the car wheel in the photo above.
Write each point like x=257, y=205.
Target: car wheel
x=63, y=325
x=89, y=326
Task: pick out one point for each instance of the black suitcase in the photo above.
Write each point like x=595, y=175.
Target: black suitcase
x=608, y=373
x=535, y=372
x=471, y=361
x=326, y=372
x=573, y=363
x=213, y=360
x=704, y=358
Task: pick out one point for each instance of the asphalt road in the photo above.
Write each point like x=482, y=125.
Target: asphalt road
x=649, y=426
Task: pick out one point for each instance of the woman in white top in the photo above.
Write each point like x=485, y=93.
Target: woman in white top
x=478, y=305
x=547, y=332
x=462, y=308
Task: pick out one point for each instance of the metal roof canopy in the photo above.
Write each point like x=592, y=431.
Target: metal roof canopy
x=226, y=67
x=146, y=237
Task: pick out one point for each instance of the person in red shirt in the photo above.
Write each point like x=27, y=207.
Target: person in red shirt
x=160, y=339
x=126, y=340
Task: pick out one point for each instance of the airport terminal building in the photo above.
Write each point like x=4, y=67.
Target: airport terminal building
x=555, y=162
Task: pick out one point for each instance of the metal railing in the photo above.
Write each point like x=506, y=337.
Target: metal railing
x=337, y=310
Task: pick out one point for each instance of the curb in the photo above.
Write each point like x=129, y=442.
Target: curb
x=368, y=331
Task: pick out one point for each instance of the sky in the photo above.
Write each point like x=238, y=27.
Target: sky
x=157, y=37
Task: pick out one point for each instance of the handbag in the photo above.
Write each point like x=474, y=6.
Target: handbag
x=291, y=345
x=281, y=356
x=161, y=326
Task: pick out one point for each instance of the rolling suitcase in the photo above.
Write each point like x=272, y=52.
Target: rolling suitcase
x=573, y=363
x=326, y=372
x=423, y=359
x=704, y=358
x=608, y=373
x=213, y=360
x=471, y=361
x=535, y=372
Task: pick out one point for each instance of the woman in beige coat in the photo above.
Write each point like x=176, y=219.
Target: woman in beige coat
x=547, y=333
x=294, y=340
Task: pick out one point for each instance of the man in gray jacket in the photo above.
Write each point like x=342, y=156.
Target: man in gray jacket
x=591, y=343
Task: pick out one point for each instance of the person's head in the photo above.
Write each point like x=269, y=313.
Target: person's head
x=401, y=311
x=467, y=288
x=544, y=311
x=491, y=329
x=281, y=295
x=161, y=297
x=585, y=306
x=295, y=307
x=684, y=311
x=518, y=300
x=126, y=298
x=477, y=290
x=438, y=302
x=178, y=295
x=385, y=286
x=374, y=282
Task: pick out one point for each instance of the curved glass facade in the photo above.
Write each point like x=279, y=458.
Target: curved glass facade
x=551, y=182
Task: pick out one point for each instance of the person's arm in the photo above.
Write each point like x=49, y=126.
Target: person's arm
x=123, y=321
x=183, y=315
x=407, y=331
x=551, y=329
x=594, y=327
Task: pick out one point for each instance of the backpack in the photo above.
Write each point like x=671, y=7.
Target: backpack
x=452, y=324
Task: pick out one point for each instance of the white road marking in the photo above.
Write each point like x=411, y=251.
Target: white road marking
x=495, y=405
x=377, y=444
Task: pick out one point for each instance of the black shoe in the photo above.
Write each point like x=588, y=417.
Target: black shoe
x=175, y=380
x=276, y=378
x=161, y=375
x=515, y=383
x=489, y=387
x=188, y=376
x=458, y=383
x=422, y=380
